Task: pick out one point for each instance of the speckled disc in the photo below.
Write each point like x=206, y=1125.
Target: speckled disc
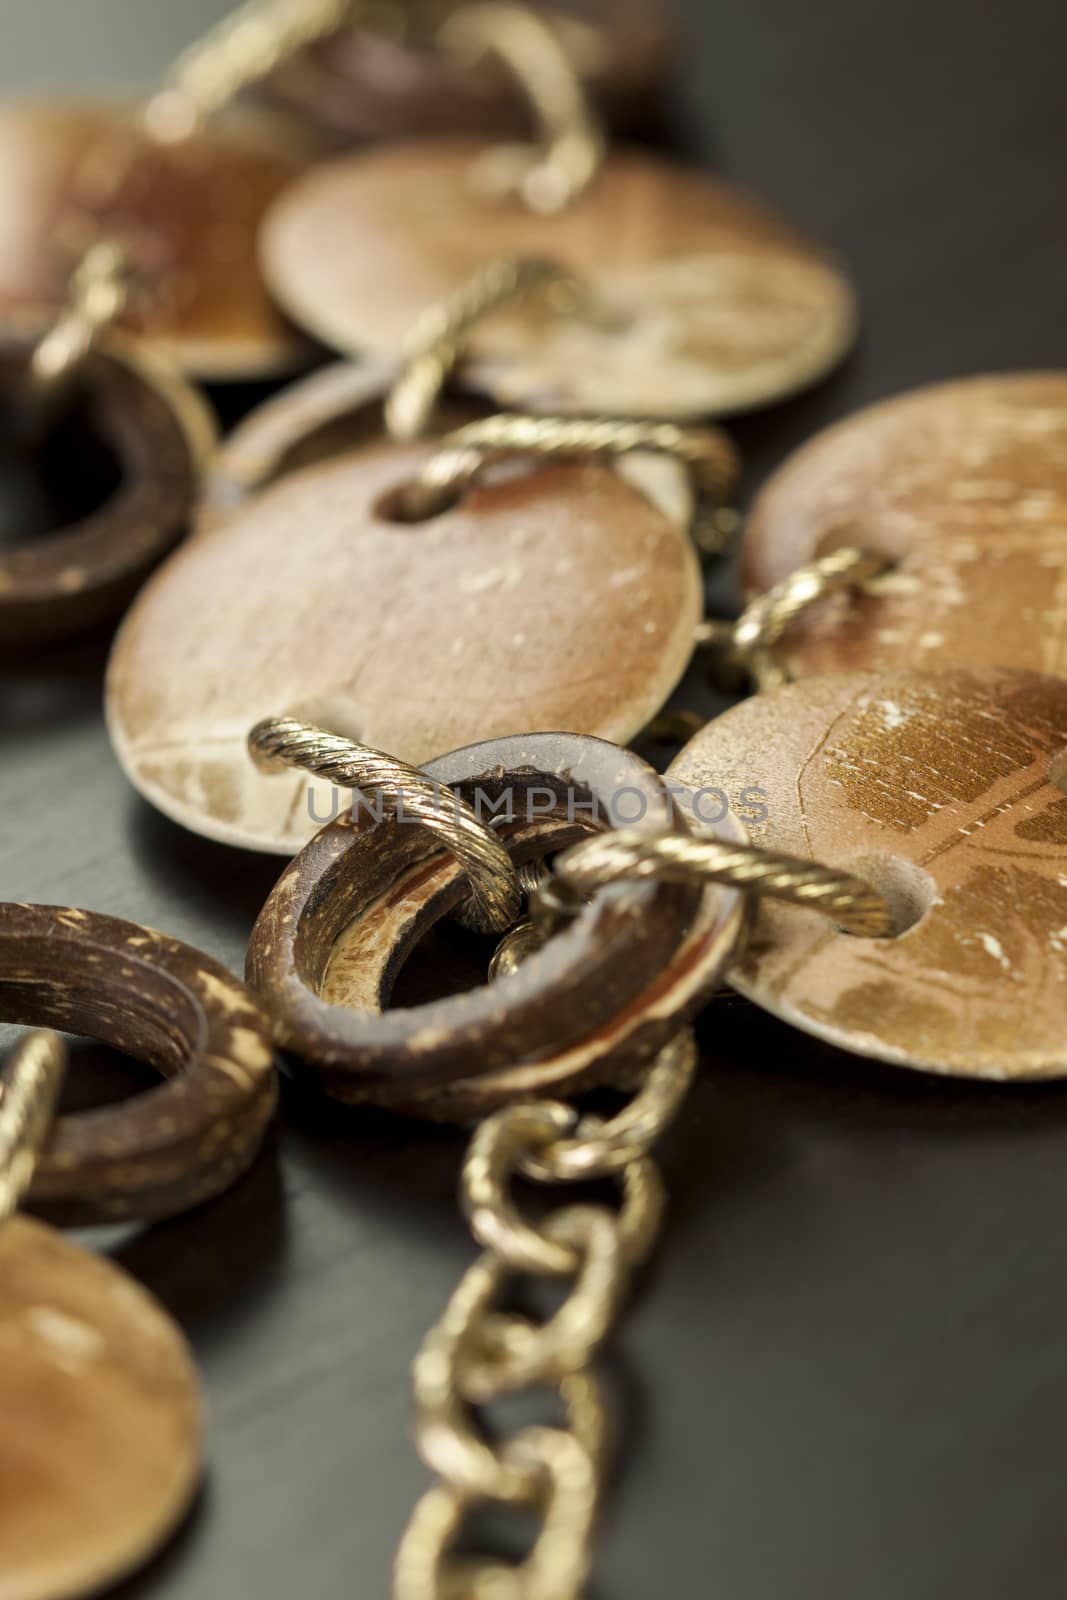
x=964, y=486
x=101, y=1440
x=937, y=788
x=711, y=303
x=368, y=81
x=561, y=596
x=187, y=214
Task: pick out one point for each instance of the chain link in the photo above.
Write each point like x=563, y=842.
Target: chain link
x=749, y=643
x=478, y=1354
x=244, y=47
x=30, y=1080
x=496, y=897
x=572, y=141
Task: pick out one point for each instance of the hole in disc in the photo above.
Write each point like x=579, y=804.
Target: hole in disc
x=404, y=506
x=909, y=889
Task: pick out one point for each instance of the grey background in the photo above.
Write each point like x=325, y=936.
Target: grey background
x=846, y=1375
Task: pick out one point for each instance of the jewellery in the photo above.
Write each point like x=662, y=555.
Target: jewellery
x=958, y=488
x=100, y=1447
x=334, y=931
x=943, y=790
x=489, y=614
x=701, y=301
x=400, y=70
x=181, y=195
x=169, y=1005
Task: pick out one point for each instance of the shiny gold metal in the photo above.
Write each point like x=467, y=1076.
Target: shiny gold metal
x=750, y=641
x=843, y=897
x=97, y=295
x=572, y=143
x=509, y=1142
x=600, y=1148
x=30, y=1080
x=439, y=336
x=705, y=451
x=477, y=1354
x=496, y=898
x=244, y=47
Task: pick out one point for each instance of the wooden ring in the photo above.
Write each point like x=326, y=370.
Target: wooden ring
x=168, y=1005
x=334, y=933
x=160, y=433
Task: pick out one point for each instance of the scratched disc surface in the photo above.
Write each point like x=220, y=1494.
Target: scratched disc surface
x=964, y=486
x=369, y=81
x=711, y=303
x=937, y=788
x=187, y=214
x=560, y=597
x=100, y=1446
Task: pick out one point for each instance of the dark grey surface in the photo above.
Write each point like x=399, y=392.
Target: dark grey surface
x=846, y=1376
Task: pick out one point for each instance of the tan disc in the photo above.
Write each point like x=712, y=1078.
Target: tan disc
x=964, y=486
x=711, y=304
x=560, y=597
x=936, y=787
x=187, y=214
x=101, y=1420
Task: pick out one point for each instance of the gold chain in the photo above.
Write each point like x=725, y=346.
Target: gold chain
x=30, y=1080
x=705, y=452
x=496, y=896
x=440, y=335
x=846, y=899
x=572, y=140
x=750, y=641
x=478, y=1354
x=244, y=47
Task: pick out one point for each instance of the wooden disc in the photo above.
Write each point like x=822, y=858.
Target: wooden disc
x=187, y=214
x=100, y=1447
x=608, y=990
x=715, y=304
x=160, y=434
x=936, y=787
x=367, y=82
x=964, y=486
x=561, y=596
x=166, y=1004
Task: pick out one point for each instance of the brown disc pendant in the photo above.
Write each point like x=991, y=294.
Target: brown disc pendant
x=963, y=486
x=563, y=596
x=708, y=303
x=945, y=791
x=187, y=215
x=363, y=82
x=157, y=435
x=100, y=1446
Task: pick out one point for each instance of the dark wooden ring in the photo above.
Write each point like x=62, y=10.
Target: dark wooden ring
x=356, y=899
x=160, y=432
x=165, y=1004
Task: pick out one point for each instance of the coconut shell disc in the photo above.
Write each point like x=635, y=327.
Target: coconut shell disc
x=562, y=596
x=709, y=303
x=100, y=1446
x=187, y=214
x=964, y=487
x=367, y=81
x=945, y=791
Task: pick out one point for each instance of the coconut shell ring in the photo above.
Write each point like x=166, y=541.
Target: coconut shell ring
x=168, y=1005
x=606, y=991
x=160, y=434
